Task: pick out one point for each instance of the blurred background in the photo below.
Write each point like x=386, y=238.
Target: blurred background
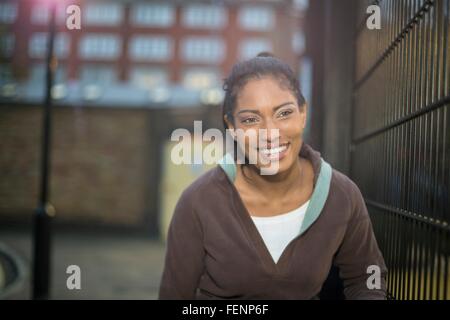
x=137, y=70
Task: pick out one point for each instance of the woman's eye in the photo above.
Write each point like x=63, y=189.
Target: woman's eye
x=249, y=120
x=285, y=113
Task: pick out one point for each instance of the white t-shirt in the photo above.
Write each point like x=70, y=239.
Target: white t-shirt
x=278, y=231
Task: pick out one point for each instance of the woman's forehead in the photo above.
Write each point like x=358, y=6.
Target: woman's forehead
x=263, y=92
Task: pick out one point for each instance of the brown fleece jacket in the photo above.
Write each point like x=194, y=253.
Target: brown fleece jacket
x=214, y=250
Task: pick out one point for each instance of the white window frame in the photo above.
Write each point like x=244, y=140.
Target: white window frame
x=109, y=77
x=298, y=42
x=6, y=73
x=301, y=5
x=38, y=44
x=261, y=44
x=96, y=46
x=103, y=14
x=152, y=14
x=59, y=77
x=256, y=18
x=8, y=12
x=212, y=73
x=203, y=49
x=150, y=48
x=7, y=44
x=161, y=77
x=205, y=16
x=40, y=14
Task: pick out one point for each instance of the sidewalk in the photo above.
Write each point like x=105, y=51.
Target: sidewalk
x=113, y=266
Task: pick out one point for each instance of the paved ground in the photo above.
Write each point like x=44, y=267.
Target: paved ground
x=113, y=266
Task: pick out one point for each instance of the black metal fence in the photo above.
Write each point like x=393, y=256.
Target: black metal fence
x=400, y=153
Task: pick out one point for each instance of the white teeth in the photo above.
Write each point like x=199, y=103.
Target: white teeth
x=273, y=151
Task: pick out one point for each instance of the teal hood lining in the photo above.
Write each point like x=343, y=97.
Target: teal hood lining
x=318, y=198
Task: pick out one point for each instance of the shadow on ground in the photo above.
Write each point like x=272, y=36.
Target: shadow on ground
x=113, y=265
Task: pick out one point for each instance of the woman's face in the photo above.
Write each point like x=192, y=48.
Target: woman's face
x=263, y=104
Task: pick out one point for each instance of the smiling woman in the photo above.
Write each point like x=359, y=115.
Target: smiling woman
x=240, y=234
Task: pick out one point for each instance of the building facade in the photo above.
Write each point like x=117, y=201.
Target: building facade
x=142, y=52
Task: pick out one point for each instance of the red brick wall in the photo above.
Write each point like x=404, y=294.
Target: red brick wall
x=19, y=156
x=100, y=164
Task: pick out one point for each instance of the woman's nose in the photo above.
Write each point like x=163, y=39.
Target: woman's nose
x=270, y=132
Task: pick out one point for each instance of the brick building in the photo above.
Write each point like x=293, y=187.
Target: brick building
x=141, y=53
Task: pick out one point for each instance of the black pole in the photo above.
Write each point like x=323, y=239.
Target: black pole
x=44, y=212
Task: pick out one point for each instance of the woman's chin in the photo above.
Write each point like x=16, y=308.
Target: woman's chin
x=273, y=167
x=276, y=166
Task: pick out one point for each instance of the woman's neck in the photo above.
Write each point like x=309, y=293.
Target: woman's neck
x=277, y=185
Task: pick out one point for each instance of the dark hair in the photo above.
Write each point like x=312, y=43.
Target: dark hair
x=264, y=64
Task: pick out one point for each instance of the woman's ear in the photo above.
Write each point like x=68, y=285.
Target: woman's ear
x=228, y=122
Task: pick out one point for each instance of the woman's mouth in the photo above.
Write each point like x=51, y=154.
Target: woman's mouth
x=274, y=153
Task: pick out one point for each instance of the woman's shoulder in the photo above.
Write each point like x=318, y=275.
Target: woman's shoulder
x=342, y=183
x=343, y=187
x=341, y=179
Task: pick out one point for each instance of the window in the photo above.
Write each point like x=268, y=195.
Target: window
x=39, y=42
x=201, y=78
x=100, y=46
x=6, y=45
x=39, y=73
x=6, y=74
x=107, y=14
x=256, y=18
x=40, y=14
x=157, y=48
x=301, y=5
x=203, y=49
x=205, y=16
x=151, y=14
x=97, y=74
x=298, y=42
x=148, y=78
x=249, y=48
x=8, y=12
